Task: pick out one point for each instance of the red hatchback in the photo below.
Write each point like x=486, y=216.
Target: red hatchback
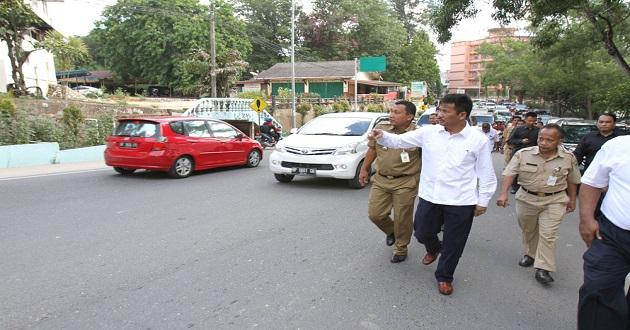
x=178, y=145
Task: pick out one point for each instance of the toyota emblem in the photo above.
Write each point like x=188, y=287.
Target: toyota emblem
x=304, y=151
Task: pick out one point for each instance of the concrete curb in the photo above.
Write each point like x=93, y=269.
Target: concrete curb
x=50, y=169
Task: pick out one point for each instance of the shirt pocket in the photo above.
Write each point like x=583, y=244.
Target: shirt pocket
x=527, y=174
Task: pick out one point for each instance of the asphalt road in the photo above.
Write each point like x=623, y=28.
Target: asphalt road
x=234, y=249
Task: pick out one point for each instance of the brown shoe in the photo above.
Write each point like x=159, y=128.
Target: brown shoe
x=445, y=288
x=429, y=258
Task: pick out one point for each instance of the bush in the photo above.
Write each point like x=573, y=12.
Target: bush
x=320, y=109
x=7, y=106
x=303, y=109
x=15, y=129
x=375, y=108
x=45, y=129
x=249, y=95
x=341, y=106
x=284, y=93
x=72, y=118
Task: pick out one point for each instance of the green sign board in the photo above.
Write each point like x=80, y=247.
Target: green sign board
x=372, y=64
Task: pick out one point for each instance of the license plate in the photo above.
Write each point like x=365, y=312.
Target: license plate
x=131, y=145
x=299, y=170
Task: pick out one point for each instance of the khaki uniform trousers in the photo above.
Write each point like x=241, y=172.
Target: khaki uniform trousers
x=399, y=195
x=540, y=219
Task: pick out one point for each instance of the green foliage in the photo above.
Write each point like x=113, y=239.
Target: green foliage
x=15, y=129
x=7, y=106
x=68, y=52
x=341, y=106
x=284, y=93
x=375, y=108
x=46, y=129
x=249, y=95
x=320, y=109
x=72, y=119
x=303, y=109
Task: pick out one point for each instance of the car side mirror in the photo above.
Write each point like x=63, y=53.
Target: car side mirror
x=293, y=130
x=239, y=136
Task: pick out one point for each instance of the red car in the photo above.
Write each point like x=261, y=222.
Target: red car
x=178, y=145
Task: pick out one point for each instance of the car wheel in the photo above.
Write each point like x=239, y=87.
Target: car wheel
x=253, y=159
x=182, y=167
x=284, y=177
x=124, y=170
x=354, y=183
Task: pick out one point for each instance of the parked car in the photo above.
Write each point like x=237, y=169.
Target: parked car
x=423, y=120
x=85, y=90
x=574, y=131
x=332, y=145
x=477, y=119
x=502, y=115
x=543, y=115
x=178, y=145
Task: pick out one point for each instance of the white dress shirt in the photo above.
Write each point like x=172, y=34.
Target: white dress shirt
x=492, y=136
x=611, y=168
x=456, y=168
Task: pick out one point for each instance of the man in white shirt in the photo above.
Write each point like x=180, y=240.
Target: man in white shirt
x=457, y=178
x=491, y=134
x=603, y=304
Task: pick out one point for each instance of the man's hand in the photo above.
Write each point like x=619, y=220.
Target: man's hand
x=502, y=200
x=375, y=134
x=364, y=177
x=589, y=230
x=479, y=210
x=571, y=206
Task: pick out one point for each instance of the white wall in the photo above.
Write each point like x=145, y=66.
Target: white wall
x=39, y=69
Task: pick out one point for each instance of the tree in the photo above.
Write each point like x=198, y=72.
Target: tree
x=406, y=13
x=151, y=40
x=607, y=20
x=230, y=64
x=16, y=19
x=68, y=52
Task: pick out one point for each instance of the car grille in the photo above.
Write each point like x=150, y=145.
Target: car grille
x=321, y=167
x=308, y=151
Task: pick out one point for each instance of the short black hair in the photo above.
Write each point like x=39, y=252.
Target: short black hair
x=517, y=118
x=409, y=107
x=485, y=125
x=433, y=114
x=557, y=128
x=462, y=102
x=531, y=114
x=609, y=114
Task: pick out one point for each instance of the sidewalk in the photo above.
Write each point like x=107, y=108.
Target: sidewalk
x=52, y=169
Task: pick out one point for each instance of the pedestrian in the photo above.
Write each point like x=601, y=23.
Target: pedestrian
x=491, y=134
x=507, y=148
x=523, y=137
x=590, y=144
x=395, y=183
x=549, y=176
x=457, y=179
x=433, y=119
x=603, y=303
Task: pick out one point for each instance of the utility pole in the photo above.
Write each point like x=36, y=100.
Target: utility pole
x=293, y=62
x=213, y=52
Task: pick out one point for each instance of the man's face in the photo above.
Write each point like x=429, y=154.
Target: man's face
x=398, y=116
x=548, y=139
x=433, y=119
x=448, y=116
x=485, y=128
x=530, y=121
x=520, y=123
x=605, y=124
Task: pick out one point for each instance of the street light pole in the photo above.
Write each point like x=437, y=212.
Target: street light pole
x=213, y=52
x=293, y=62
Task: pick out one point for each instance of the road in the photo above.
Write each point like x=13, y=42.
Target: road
x=233, y=249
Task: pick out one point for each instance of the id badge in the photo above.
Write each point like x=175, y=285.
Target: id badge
x=551, y=180
x=404, y=156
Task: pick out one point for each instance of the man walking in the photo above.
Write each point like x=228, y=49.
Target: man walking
x=591, y=143
x=507, y=148
x=457, y=178
x=523, y=137
x=491, y=134
x=603, y=304
x=395, y=184
x=549, y=177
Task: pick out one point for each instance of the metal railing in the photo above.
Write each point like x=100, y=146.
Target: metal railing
x=229, y=109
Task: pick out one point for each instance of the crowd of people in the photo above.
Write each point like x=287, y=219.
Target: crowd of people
x=448, y=165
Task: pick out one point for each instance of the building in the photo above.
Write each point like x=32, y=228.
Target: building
x=467, y=65
x=39, y=68
x=328, y=79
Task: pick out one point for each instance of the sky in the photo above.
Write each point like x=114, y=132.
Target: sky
x=77, y=17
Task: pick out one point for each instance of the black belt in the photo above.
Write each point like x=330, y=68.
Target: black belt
x=393, y=176
x=541, y=194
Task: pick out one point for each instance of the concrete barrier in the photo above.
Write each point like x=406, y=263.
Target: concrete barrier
x=89, y=154
x=28, y=154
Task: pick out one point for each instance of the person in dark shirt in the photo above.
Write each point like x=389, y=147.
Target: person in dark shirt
x=591, y=143
x=523, y=137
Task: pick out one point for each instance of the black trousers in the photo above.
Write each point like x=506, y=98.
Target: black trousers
x=603, y=304
x=457, y=221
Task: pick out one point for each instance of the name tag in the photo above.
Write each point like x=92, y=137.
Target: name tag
x=551, y=180
x=404, y=157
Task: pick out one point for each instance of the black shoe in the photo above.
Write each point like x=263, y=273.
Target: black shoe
x=527, y=261
x=390, y=240
x=398, y=258
x=543, y=277
x=513, y=190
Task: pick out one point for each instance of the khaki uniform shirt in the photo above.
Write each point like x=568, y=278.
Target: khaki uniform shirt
x=388, y=162
x=506, y=134
x=540, y=175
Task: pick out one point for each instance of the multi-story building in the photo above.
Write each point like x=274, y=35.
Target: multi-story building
x=467, y=65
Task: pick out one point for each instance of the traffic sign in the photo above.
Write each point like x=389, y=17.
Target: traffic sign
x=258, y=105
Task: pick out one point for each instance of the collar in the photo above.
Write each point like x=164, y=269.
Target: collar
x=464, y=132
x=559, y=153
x=411, y=127
x=613, y=134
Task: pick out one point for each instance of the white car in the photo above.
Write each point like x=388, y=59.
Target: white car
x=332, y=146
x=84, y=90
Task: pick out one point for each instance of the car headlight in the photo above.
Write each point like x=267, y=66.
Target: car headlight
x=280, y=147
x=348, y=149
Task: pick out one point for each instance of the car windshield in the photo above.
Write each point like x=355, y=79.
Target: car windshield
x=573, y=133
x=136, y=128
x=478, y=120
x=423, y=120
x=343, y=126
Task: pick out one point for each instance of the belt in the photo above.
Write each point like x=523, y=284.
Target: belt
x=541, y=194
x=393, y=176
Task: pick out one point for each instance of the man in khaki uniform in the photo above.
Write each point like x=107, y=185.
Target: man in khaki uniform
x=395, y=183
x=549, y=177
x=507, y=148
